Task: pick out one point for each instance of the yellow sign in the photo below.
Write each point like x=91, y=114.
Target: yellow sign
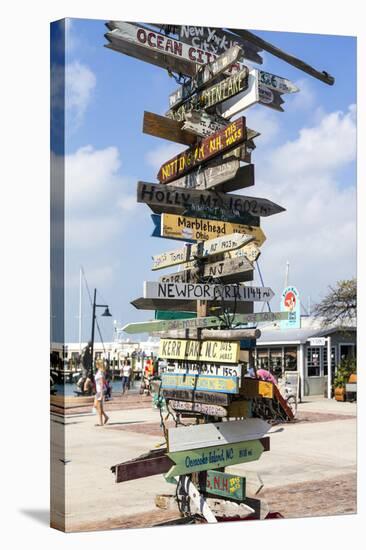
x=265, y=389
x=197, y=229
x=196, y=350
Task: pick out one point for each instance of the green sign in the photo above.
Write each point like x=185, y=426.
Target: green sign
x=169, y=315
x=199, y=460
x=226, y=485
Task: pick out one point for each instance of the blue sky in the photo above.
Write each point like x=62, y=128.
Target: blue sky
x=305, y=161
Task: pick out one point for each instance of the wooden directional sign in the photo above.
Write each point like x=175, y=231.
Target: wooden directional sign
x=201, y=123
x=276, y=83
x=237, y=334
x=156, y=48
x=223, y=140
x=253, y=388
x=223, y=175
x=191, y=291
x=213, y=95
x=202, y=408
x=228, y=271
x=210, y=369
x=250, y=251
x=270, y=98
x=213, y=40
x=210, y=435
x=205, y=74
x=197, y=396
x=225, y=485
x=197, y=229
x=166, y=198
x=202, y=250
x=220, y=384
x=196, y=350
x=157, y=231
x=187, y=305
x=221, y=456
x=167, y=128
x=243, y=100
x=203, y=322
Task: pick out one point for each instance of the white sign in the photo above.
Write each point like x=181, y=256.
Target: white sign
x=201, y=368
x=243, y=100
x=188, y=291
x=315, y=342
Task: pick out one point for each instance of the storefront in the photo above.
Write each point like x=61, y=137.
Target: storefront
x=294, y=350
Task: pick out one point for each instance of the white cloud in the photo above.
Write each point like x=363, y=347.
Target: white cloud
x=80, y=82
x=263, y=120
x=305, y=99
x=317, y=233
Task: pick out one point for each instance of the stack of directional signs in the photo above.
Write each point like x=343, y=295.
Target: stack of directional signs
x=205, y=378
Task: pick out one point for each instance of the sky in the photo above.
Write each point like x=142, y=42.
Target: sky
x=305, y=160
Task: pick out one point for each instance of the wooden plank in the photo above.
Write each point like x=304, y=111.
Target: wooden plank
x=276, y=83
x=218, y=384
x=298, y=63
x=250, y=251
x=142, y=468
x=226, y=485
x=197, y=396
x=205, y=74
x=166, y=198
x=214, y=40
x=203, y=322
x=203, y=124
x=186, y=305
x=211, y=369
x=211, y=351
x=152, y=47
x=218, y=334
x=221, y=456
x=243, y=100
x=212, y=434
x=197, y=229
x=240, y=408
x=191, y=291
x=229, y=271
x=202, y=408
x=212, y=96
x=166, y=128
x=209, y=248
x=220, y=141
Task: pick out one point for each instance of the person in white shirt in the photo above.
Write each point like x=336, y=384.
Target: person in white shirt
x=126, y=374
x=99, y=395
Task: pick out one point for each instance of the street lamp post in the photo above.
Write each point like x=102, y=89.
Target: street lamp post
x=105, y=314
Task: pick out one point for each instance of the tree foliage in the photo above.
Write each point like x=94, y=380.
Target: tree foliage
x=340, y=304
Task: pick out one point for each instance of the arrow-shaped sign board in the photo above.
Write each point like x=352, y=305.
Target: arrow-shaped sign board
x=213, y=351
x=213, y=95
x=228, y=271
x=219, y=384
x=202, y=123
x=201, y=408
x=197, y=229
x=190, y=291
x=209, y=369
x=219, y=142
x=277, y=83
x=227, y=175
x=205, y=74
x=210, y=435
x=203, y=322
x=166, y=197
x=203, y=250
x=221, y=456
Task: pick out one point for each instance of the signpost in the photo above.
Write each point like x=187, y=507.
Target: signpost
x=165, y=198
x=196, y=350
x=202, y=322
x=167, y=128
x=228, y=271
x=203, y=250
x=201, y=229
x=203, y=124
x=202, y=408
x=197, y=396
x=191, y=291
x=211, y=369
x=205, y=74
x=198, y=460
x=219, y=142
x=188, y=305
x=236, y=334
x=220, y=384
x=221, y=433
x=225, y=485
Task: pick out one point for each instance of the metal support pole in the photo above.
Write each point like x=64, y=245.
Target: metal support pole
x=329, y=356
x=92, y=334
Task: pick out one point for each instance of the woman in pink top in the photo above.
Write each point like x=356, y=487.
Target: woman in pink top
x=264, y=374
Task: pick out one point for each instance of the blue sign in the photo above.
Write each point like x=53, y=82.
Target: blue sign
x=290, y=303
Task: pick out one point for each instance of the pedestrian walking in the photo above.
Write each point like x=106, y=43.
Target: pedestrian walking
x=99, y=396
x=126, y=375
